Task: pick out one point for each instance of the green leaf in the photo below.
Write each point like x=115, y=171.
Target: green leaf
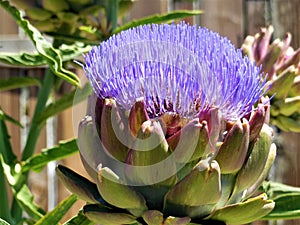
x=287, y=206
x=5, y=146
x=79, y=185
x=4, y=203
x=31, y=59
x=44, y=48
x=22, y=59
x=3, y=222
x=6, y=117
x=58, y=212
x=66, y=101
x=274, y=189
x=79, y=219
x=18, y=82
x=26, y=201
x=62, y=150
x=159, y=18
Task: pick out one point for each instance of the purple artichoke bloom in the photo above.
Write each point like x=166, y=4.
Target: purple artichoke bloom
x=176, y=130
x=175, y=68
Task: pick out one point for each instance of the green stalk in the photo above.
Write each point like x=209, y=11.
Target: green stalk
x=35, y=128
x=112, y=13
x=4, y=203
x=8, y=157
x=33, y=134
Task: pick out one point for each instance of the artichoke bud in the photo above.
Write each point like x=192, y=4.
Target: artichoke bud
x=288, y=106
x=291, y=58
x=271, y=57
x=113, y=131
x=55, y=5
x=247, y=47
x=233, y=151
x=282, y=84
x=255, y=163
x=116, y=193
x=138, y=115
x=38, y=14
x=261, y=43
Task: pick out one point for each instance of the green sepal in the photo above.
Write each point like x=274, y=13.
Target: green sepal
x=153, y=217
x=264, y=174
x=117, y=194
x=190, y=143
x=245, y=212
x=255, y=164
x=257, y=120
x=149, y=157
x=91, y=149
x=137, y=116
x=107, y=216
x=202, y=186
x=177, y=220
x=233, y=151
x=271, y=56
x=112, y=131
x=79, y=185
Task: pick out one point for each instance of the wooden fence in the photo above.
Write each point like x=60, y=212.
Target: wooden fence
x=231, y=18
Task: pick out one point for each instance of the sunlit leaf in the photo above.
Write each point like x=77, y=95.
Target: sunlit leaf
x=79, y=219
x=26, y=201
x=32, y=59
x=54, y=216
x=3, y=222
x=159, y=18
x=18, y=82
x=62, y=150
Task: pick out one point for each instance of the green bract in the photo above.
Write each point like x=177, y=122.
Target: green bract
x=187, y=180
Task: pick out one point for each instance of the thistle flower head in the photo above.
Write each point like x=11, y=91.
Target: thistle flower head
x=174, y=68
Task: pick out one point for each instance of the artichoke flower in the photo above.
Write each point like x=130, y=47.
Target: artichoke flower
x=176, y=131
x=281, y=63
